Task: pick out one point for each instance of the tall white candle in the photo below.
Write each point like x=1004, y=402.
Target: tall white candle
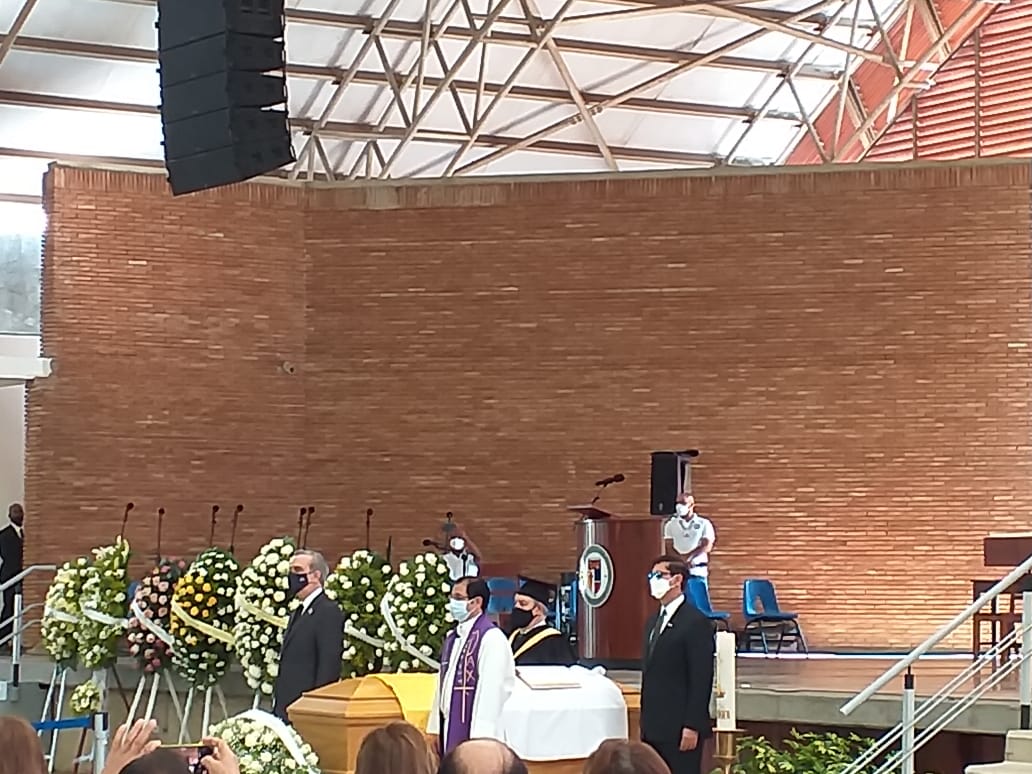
x=725, y=686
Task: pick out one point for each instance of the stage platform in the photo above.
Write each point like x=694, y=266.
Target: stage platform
x=809, y=691
x=790, y=689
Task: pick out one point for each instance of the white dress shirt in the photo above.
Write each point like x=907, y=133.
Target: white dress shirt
x=496, y=679
x=306, y=603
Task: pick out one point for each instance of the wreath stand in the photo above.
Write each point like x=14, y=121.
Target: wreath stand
x=155, y=679
x=209, y=696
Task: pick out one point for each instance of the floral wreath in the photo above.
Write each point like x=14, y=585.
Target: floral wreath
x=203, y=613
x=104, y=608
x=416, y=613
x=62, y=615
x=263, y=608
x=264, y=744
x=357, y=585
x=86, y=699
x=150, y=643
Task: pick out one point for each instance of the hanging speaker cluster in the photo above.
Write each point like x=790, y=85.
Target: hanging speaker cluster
x=223, y=91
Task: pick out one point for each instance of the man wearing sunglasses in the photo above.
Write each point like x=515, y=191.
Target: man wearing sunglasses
x=677, y=671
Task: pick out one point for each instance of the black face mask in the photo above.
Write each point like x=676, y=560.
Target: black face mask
x=296, y=582
x=521, y=618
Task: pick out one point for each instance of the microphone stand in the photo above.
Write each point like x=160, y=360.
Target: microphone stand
x=125, y=519
x=214, y=521
x=161, y=518
x=232, y=535
x=368, y=521
x=308, y=526
x=300, y=524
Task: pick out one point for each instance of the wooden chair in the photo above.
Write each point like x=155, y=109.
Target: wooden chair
x=1000, y=621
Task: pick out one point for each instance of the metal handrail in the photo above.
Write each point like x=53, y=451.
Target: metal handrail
x=928, y=706
x=959, y=620
x=26, y=625
x=954, y=712
x=25, y=574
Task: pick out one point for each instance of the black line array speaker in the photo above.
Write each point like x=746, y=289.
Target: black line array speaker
x=223, y=91
x=667, y=481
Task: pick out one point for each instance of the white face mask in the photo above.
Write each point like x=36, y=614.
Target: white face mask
x=457, y=544
x=681, y=509
x=659, y=587
x=459, y=609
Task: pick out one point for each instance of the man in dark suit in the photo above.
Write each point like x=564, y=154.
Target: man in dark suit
x=313, y=642
x=12, y=542
x=677, y=671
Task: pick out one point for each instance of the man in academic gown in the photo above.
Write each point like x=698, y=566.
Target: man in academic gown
x=477, y=672
x=533, y=642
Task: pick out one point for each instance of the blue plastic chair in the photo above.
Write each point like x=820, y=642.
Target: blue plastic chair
x=763, y=614
x=503, y=593
x=697, y=593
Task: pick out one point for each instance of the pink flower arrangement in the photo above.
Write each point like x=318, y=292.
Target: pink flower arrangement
x=154, y=600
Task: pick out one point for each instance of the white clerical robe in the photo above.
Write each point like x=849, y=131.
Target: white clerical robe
x=496, y=678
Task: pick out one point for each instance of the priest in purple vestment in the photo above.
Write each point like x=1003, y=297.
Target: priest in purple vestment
x=477, y=672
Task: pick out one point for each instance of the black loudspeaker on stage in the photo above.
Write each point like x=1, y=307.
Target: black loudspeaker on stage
x=223, y=91
x=670, y=474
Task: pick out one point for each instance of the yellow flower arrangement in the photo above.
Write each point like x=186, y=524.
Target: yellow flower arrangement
x=203, y=614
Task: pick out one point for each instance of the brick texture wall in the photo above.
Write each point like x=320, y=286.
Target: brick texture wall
x=849, y=349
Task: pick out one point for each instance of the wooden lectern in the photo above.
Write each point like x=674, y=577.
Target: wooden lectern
x=612, y=581
x=1004, y=549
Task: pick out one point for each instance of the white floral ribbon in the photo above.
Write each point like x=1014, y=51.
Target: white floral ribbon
x=206, y=629
x=285, y=734
x=402, y=640
x=150, y=624
x=60, y=615
x=91, y=612
x=354, y=633
x=252, y=609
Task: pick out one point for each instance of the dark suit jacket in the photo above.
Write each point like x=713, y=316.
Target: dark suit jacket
x=11, y=552
x=311, y=653
x=677, y=679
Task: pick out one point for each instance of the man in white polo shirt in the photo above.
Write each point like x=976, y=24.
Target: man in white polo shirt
x=692, y=536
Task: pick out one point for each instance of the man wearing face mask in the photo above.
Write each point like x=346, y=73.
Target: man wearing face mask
x=691, y=535
x=462, y=556
x=677, y=671
x=477, y=673
x=533, y=642
x=314, y=640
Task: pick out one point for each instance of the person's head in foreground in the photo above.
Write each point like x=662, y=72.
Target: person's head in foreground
x=398, y=748
x=469, y=598
x=667, y=579
x=21, y=753
x=482, y=756
x=620, y=756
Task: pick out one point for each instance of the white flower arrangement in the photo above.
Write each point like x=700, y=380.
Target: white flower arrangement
x=203, y=613
x=264, y=606
x=153, y=603
x=358, y=585
x=104, y=605
x=264, y=744
x=417, y=601
x=62, y=614
x=85, y=699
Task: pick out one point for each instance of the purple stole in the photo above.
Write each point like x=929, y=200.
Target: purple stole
x=464, y=690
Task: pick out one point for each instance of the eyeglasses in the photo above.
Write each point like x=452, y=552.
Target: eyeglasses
x=657, y=574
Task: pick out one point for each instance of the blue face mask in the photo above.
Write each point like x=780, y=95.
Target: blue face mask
x=459, y=609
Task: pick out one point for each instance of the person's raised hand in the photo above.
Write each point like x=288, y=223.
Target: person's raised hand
x=130, y=743
x=222, y=760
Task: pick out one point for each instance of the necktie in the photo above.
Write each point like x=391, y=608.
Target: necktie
x=660, y=623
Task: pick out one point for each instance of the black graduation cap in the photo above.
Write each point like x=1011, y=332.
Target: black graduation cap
x=537, y=590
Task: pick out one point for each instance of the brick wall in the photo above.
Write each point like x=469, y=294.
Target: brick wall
x=848, y=348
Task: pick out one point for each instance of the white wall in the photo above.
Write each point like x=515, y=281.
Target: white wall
x=12, y=425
